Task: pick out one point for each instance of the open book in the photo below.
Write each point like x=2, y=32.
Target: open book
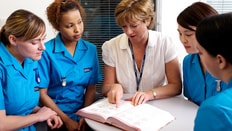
x=143, y=117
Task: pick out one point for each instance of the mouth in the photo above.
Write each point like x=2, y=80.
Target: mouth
x=76, y=36
x=39, y=53
x=131, y=36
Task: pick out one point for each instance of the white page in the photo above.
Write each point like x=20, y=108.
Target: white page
x=146, y=117
x=106, y=109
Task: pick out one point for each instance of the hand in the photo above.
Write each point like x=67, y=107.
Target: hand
x=45, y=113
x=54, y=122
x=71, y=125
x=139, y=98
x=115, y=94
x=81, y=124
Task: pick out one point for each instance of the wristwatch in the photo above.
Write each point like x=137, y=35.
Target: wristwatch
x=154, y=94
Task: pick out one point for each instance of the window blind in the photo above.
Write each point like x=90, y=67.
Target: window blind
x=222, y=6
x=100, y=25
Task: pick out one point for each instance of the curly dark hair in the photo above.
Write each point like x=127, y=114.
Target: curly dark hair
x=55, y=10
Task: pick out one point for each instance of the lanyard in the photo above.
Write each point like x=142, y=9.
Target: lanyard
x=138, y=80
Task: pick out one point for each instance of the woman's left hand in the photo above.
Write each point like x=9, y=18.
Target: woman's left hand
x=81, y=124
x=54, y=122
x=140, y=98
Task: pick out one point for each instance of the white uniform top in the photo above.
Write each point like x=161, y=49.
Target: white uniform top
x=160, y=50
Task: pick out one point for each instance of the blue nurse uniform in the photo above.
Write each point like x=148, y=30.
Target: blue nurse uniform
x=215, y=113
x=66, y=76
x=19, y=93
x=197, y=85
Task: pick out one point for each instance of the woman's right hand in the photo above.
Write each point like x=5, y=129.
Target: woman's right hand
x=115, y=94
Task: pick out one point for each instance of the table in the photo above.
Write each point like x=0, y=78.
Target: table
x=183, y=110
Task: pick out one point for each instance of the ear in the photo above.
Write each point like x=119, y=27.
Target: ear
x=221, y=61
x=12, y=39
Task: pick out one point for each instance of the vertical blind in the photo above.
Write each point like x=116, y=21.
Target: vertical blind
x=100, y=24
x=222, y=6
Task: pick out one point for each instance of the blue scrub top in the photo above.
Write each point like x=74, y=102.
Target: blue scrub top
x=197, y=86
x=215, y=113
x=79, y=71
x=19, y=94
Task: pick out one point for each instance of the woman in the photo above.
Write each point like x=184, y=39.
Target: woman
x=198, y=84
x=214, y=37
x=21, y=45
x=140, y=61
x=69, y=66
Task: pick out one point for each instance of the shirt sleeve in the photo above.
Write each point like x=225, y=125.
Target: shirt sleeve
x=211, y=118
x=2, y=103
x=170, y=52
x=44, y=67
x=97, y=75
x=107, y=54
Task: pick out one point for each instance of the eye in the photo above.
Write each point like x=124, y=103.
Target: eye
x=34, y=42
x=134, y=26
x=191, y=34
x=69, y=26
x=79, y=22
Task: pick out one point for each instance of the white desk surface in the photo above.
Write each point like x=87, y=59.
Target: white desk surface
x=183, y=110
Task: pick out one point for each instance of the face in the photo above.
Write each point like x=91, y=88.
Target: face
x=210, y=62
x=137, y=31
x=188, y=39
x=31, y=48
x=71, y=26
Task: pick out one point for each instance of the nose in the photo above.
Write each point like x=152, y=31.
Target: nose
x=41, y=45
x=128, y=30
x=183, y=39
x=76, y=29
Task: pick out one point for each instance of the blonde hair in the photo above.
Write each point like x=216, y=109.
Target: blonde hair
x=129, y=11
x=22, y=24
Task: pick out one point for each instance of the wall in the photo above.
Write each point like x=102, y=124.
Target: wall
x=168, y=25
x=36, y=6
x=167, y=19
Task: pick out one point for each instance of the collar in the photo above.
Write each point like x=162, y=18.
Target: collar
x=8, y=59
x=60, y=47
x=151, y=42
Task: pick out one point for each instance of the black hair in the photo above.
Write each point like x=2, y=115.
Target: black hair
x=193, y=14
x=215, y=35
